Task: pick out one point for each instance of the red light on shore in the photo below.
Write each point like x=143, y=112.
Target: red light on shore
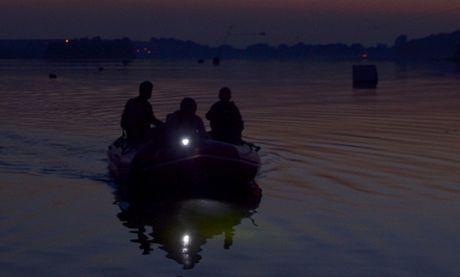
x=67, y=41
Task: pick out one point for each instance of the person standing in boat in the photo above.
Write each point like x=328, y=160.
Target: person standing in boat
x=184, y=123
x=225, y=119
x=138, y=116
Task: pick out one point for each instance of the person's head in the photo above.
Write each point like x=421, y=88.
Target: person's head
x=225, y=94
x=145, y=90
x=188, y=106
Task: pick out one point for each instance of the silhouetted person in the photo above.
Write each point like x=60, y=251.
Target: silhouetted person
x=225, y=118
x=184, y=122
x=138, y=115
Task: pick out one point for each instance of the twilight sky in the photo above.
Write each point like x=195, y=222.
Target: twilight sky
x=207, y=21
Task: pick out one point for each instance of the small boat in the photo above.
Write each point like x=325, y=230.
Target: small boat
x=203, y=163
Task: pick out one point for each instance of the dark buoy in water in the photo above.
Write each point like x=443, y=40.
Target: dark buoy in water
x=215, y=61
x=365, y=76
x=125, y=62
x=200, y=61
x=52, y=76
x=101, y=68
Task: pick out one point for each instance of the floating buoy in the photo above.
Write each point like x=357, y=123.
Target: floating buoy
x=216, y=61
x=200, y=61
x=52, y=76
x=365, y=76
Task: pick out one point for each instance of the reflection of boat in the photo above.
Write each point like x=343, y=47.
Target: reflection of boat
x=180, y=227
x=202, y=162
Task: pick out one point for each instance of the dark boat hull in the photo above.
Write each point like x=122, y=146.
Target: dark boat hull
x=205, y=165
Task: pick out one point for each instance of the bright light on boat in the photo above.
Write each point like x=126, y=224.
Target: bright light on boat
x=186, y=240
x=185, y=141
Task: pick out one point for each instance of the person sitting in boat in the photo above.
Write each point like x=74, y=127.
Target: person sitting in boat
x=138, y=116
x=225, y=119
x=184, y=123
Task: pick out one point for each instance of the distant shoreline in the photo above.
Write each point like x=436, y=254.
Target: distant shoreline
x=444, y=46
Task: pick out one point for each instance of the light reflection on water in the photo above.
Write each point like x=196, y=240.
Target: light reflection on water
x=364, y=180
x=181, y=227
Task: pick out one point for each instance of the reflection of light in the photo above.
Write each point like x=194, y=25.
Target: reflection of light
x=67, y=41
x=185, y=141
x=186, y=240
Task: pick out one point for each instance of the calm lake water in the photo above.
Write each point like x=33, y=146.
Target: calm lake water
x=355, y=182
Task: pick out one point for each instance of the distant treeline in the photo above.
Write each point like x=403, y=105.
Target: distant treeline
x=94, y=48
x=23, y=49
x=434, y=47
x=179, y=49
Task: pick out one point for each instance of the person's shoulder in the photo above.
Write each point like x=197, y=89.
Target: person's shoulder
x=221, y=105
x=216, y=105
x=134, y=100
x=198, y=118
x=232, y=105
x=142, y=102
x=172, y=116
x=130, y=102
